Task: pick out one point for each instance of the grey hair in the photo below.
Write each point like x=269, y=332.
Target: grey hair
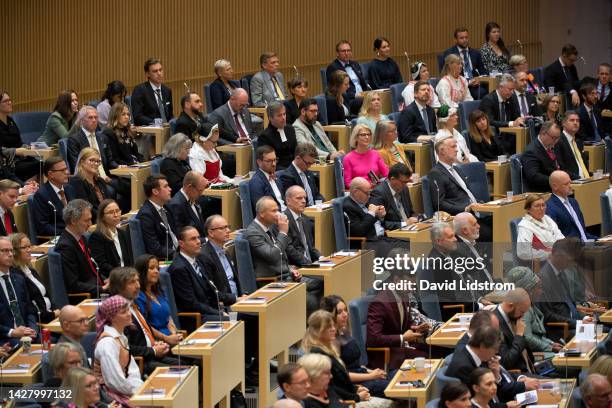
x=588, y=386
x=221, y=64
x=382, y=127
x=57, y=355
x=518, y=295
x=437, y=229
x=504, y=79
x=314, y=364
x=546, y=126
x=236, y=92
x=460, y=221
x=260, y=206
x=439, y=141
x=517, y=59
x=273, y=108
x=174, y=145
x=73, y=211
x=293, y=190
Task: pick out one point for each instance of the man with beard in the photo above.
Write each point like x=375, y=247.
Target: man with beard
x=309, y=130
x=590, y=115
x=191, y=119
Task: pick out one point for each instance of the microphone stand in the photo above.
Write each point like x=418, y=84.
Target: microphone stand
x=97, y=278
x=348, y=249
x=218, y=303
x=54, y=221
x=281, y=284
x=167, y=233
x=438, y=198
x=521, y=173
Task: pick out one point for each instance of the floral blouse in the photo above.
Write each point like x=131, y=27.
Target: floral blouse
x=494, y=62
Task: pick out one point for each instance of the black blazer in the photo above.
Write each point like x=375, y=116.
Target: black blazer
x=188, y=126
x=295, y=249
x=138, y=341
x=410, y=124
x=553, y=300
x=566, y=156
x=490, y=105
x=382, y=195
x=285, y=151
x=586, y=132
x=335, y=112
x=175, y=171
x=144, y=104
x=46, y=315
x=362, y=224
x=153, y=233
x=290, y=177
x=215, y=270
x=82, y=189
x=453, y=199
x=44, y=217
x=292, y=109
x=554, y=76
x=13, y=225
x=259, y=187
x=336, y=65
x=79, y=276
x=341, y=382
x=78, y=141
x=124, y=153
x=485, y=152
x=104, y=252
x=192, y=293
x=183, y=214
x=512, y=346
x=478, y=67
x=219, y=93
x=537, y=166
x=532, y=104
x=7, y=322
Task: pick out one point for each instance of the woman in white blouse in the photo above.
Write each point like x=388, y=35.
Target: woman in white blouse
x=420, y=72
x=447, y=120
x=537, y=232
x=204, y=158
x=453, y=88
x=22, y=263
x=115, y=368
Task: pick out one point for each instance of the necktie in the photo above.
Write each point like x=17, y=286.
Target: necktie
x=239, y=127
x=467, y=66
x=574, y=216
x=400, y=208
x=160, y=105
x=197, y=269
x=307, y=188
x=318, y=140
x=524, y=109
x=88, y=257
x=277, y=88
x=303, y=237
x=566, y=72
x=552, y=156
x=271, y=236
x=145, y=326
x=8, y=225
x=425, y=119
x=62, y=196
x=583, y=169
x=13, y=303
x=164, y=216
x=594, y=124
x=502, y=111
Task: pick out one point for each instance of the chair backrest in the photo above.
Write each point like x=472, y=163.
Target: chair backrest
x=442, y=379
x=365, y=70
x=468, y=140
x=433, y=403
x=513, y=236
x=339, y=175
x=477, y=181
x=246, y=207
x=245, y=83
x=396, y=95
x=606, y=214
x=30, y=124
x=516, y=174
x=246, y=271
x=62, y=145
x=358, y=312
x=93, y=103
x=323, y=72
x=208, y=98
x=31, y=227
x=166, y=283
x=128, y=101
x=440, y=58
x=608, y=158
x=322, y=108
x=434, y=82
x=156, y=165
x=138, y=247
x=172, y=124
x=465, y=108
x=57, y=286
x=342, y=241
x=88, y=341
x=427, y=202
x=394, y=116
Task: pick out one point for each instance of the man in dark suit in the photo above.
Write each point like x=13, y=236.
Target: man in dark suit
x=591, y=123
x=604, y=93
x=525, y=103
x=264, y=182
x=156, y=221
x=418, y=118
x=300, y=250
x=565, y=210
x=571, y=147
x=472, y=62
x=125, y=282
x=541, y=157
x=80, y=273
x=191, y=119
x=279, y=135
x=514, y=351
x=17, y=315
x=48, y=219
x=184, y=205
x=562, y=73
x=297, y=174
x=152, y=99
x=234, y=119
x=9, y=193
x=343, y=62
x=449, y=188
x=88, y=136
x=393, y=195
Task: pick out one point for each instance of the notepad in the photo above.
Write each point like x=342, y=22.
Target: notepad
x=254, y=300
x=453, y=329
x=15, y=371
x=203, y=341
x=272, y=290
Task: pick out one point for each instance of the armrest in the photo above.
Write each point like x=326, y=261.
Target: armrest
x=361, y=240
x=260, y=112
x=140, y=361
x=563, y=325
x=193, y=315
x=459, y=306
x=385, y=350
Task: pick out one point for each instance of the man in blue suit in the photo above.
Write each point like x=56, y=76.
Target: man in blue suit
x=472, y=62
x=17, y=317
x=264, y=181
x=184, y=205
x=48, y=220
x=297, y=174
x=565, y=210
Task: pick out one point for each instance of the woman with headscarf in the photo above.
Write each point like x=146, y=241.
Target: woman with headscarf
x=419, y=72
x=204, y=158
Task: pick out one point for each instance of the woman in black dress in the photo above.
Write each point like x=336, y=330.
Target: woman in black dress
x=482, y=137
x=120, y=136
x=176, y=160
x=298, y=87
x=337, y=107
x=383, y=71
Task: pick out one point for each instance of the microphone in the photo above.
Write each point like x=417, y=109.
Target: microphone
x=348, y=232
x=407, y=59
x=520, y=44
x=187, y=88
x=167, y=233
x=297, y=73
x=583, y=60
x=438, y=190
x=218, y=303
x=54, y=221
x=281, y=284
x=40, y=165
x=521, y=178
x=97, y=276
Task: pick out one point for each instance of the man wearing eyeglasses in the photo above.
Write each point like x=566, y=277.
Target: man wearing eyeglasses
x=9, y=193
x=343, y=62
x=88, y=136
x=298, y=173
x=47, y=218
x=264, y=182
x=541, y=157
x=75, y=324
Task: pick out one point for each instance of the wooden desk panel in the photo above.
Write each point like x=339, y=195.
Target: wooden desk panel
x=597, y=157
x=137, y=175
x=11, y=373
x=327, y=179
x=179, y=390
x=244, y=156
x=491, y=82
x=262, y=113
x=161, y=134
x=420, y=240
x=501, y=178
x=587, y=194
x=585, y=359
x=606, y=317
x=422, y=156
x=230, y=205
x=415, y=190
x=20, y=212
x=343, y=278
x=521, y=134
x=445, y=338
x=325, y=240
x=340, y=134
x=42, y=153
x=422, y=394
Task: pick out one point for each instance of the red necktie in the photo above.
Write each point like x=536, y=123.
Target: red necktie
x=86, y=252
x=239, y=127
x=552, y=156
x=8, y=225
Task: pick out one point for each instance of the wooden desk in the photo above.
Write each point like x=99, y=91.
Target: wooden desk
x=222, y=355
x=137, y=175
x=343, y=278
x=420, y=240
x=606, y=317
x=597, y=157
x=89, y=306
x=559, y=397
x=327, y=179
x=422, y=156
x=585, y=359
x=325, y=240
x=521, y=134
x=385, y=99
x=180, y=389
x=415, y=190
x=606, y=113
x=282, y=321
x=447, y=334
x=230, y=205
x=490, y=81
x=262, y=113
x=587, y=194
x=161, y=134
x=501, y=178
x=42, y=153
x=422, y=394
x=11, y=374
x=244, y=156
x=20, y=212
x=341, y=134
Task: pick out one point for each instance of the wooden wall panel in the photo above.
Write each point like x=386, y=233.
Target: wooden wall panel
x=60, y=44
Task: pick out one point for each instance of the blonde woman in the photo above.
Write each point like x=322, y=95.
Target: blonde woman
x=453, y=88
x=371, y=110
x=362, y=159
x=385, y=138
x=85, y=390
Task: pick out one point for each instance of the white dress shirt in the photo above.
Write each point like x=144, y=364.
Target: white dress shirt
x=107, y=353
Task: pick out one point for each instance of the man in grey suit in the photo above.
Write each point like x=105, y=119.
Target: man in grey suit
x=234, y=119
x=268, y=85
x=309, y=130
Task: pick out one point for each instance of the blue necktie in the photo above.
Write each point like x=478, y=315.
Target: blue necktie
x=467, y=66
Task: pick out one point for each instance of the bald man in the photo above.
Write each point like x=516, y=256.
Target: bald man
x=565, y=210
x=234, y=119
x=74, y=323
x=514, y=352
x=596, y=391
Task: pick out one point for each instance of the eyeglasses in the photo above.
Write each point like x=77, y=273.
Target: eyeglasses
x=117, y=211
x=346, y=50
x=79, y=321
x=223, y=227
x=368, y=193
x=96, y=161
x=307, y=162
x=270, y=161
x=6, y=251
x=364, y=134
x=63, y=170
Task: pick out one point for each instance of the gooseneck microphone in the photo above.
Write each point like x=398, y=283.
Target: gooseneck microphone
x=54, y=221
x=97, y=276
x=521, y=173
x=348, y=233
x=282, y=282
x=438, y=198
x=167, y=234
x=218, y=303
